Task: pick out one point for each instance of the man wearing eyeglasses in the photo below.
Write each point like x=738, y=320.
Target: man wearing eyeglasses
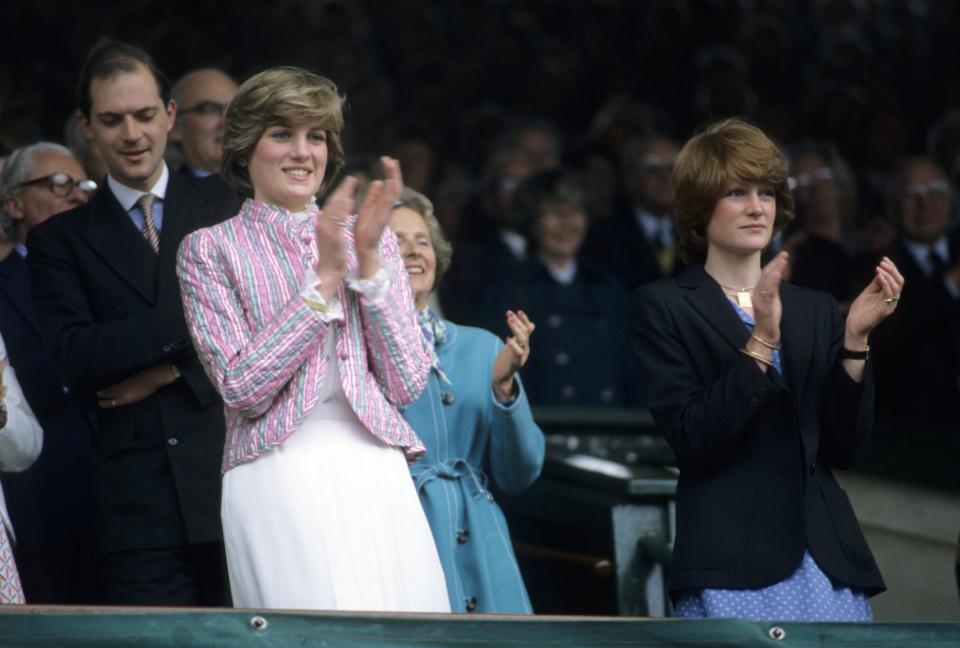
x=49, y=503
x=108, y=305
x=201, y=97
x=917, y=351
x=639, y=245
x=39, y=181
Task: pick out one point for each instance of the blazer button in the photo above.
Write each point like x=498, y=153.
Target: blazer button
x=463, y=536
x=554, y=321
x=471, y=604
x=173, y=441
x=568, y=391
x=562, y=358
x=447, y=398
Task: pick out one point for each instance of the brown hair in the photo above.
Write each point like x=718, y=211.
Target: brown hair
x=725, y=151
x=280, y=95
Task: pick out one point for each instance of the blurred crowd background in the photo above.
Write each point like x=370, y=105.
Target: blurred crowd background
x=476, y=97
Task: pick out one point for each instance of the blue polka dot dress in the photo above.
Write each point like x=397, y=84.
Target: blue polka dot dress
x=806, y=595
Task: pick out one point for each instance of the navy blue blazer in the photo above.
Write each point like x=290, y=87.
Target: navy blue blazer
x=755, y=449
x=108, y=307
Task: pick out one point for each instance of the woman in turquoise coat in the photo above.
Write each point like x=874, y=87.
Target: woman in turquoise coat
x=475, y=422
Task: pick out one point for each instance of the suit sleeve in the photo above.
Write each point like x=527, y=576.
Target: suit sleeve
x=703, y=422
x=847, y=414
x=92, y=354
x=248, y=368
x=398, y=358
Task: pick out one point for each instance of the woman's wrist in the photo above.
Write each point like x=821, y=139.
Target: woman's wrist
x=503, y=389
x=854, y=342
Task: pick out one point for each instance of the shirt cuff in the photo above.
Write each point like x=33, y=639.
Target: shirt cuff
x=310, y=293
x=373, y=288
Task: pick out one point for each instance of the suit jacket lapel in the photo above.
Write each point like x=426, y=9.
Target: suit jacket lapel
x=115, y=238
x=706, y=296
x=14, y=284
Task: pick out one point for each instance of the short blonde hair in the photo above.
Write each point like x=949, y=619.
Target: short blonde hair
x=280, y=95
x=725, y=151
x=442, y=248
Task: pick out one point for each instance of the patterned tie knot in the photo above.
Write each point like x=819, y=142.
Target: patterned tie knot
x=150, y=234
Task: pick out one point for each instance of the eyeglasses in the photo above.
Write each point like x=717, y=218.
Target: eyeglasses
x=936, y=189
x=61, y=184
x=204, y=109
x=806, y=179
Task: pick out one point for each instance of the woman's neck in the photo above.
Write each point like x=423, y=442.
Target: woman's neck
x=557, y=262
x=734, y=272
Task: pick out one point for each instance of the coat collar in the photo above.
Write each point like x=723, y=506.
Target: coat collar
x=796, y=328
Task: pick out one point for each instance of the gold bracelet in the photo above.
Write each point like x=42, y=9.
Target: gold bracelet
x=772, y=347
x=756, y=356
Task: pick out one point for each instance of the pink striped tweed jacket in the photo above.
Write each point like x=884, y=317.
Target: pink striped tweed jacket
x=262, y=346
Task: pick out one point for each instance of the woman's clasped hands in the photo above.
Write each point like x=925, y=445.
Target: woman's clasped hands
x=372, y=217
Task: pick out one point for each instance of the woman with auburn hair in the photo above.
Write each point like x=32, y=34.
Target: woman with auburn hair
x=761, y=389
x=304, y=321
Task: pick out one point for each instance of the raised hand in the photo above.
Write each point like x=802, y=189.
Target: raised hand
x=874, y=304
x=331, y=265
x=374, y=214
x=513, y=355
x=767, y=308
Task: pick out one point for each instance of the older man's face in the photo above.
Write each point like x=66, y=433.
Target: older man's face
x=35, y=203
x=923, y=203
x=199, y=125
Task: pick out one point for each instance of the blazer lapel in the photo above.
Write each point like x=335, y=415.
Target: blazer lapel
x=14, y=284
x=115, y=238
x=706, y=296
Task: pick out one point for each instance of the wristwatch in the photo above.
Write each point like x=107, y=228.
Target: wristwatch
x=847, y=354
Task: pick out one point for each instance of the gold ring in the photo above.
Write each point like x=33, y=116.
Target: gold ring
x=522, y=345
x=113, y=402
x=890, y=300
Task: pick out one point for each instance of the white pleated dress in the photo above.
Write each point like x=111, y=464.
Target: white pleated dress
x=330, y=520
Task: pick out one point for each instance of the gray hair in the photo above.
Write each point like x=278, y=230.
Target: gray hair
x=442, y=248
x=16, y=170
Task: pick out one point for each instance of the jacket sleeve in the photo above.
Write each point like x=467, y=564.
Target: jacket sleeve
x=247, y=367
x=398, y=358
x=92, y=354
x=21, y=439
x=516, y=452
x=846, y=419
x=704, y=422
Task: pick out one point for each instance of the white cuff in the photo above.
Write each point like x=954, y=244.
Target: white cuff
x=310, y=293
x=373, y=288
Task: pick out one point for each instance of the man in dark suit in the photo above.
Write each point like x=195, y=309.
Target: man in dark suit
x=639, y=245
x=108, y=303
x=918, y=352
x=49, y=503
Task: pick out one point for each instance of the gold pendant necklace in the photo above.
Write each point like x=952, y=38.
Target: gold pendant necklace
x=742, y=295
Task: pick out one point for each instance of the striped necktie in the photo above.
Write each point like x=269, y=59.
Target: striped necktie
x=150, y=233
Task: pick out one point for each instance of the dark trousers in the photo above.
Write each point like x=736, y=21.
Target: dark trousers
x=62, y=575
x=188, y=576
